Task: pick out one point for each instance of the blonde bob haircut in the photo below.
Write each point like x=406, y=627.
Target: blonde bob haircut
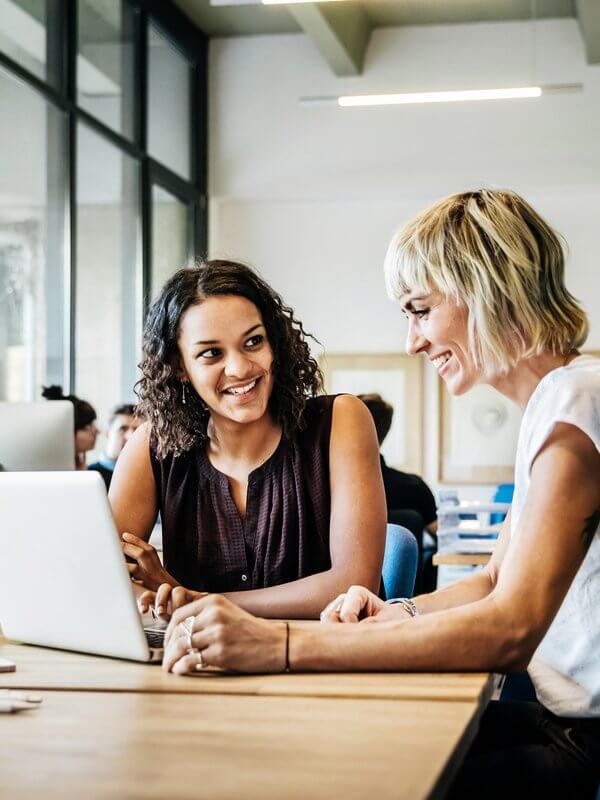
x=490, y=251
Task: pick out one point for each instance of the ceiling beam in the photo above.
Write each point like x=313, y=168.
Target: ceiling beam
x=588, y=13
x=340, y=31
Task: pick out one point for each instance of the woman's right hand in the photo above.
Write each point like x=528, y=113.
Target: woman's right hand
x=356, y=604
x=166, y=599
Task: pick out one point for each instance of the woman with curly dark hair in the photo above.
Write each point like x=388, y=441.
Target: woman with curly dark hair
x=267, y=492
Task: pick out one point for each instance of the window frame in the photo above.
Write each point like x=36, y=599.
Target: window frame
x=60, y=90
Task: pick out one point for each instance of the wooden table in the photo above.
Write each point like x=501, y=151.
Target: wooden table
x=138, y=745
x=114, y=729
x=40, y=668
x=463, y=559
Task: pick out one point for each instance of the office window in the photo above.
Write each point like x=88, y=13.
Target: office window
x=28, y=32
x=101, y=188
x=105, y=63
x=171, y=234
x=169, y=78
x=32, y=331
x=108, y=276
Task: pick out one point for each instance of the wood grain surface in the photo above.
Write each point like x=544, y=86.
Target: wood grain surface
x=157, y=746
x=42, y=668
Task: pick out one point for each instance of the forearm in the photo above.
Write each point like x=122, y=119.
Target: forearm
x=301, y=599
x=476, y=637
x=469, y=590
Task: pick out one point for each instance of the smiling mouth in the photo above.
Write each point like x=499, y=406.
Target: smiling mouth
x=439, y=362
x=240, y=390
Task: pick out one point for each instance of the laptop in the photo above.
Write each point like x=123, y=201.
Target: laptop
x=63, y=578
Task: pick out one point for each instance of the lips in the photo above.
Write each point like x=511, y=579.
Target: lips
x=241, y=389
x=440, y=360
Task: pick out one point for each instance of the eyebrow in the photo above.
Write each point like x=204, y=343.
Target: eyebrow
x=216, y=341
x=409, y=306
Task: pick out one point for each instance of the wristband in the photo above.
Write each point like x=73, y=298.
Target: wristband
x=406, y=603
x=287, y=647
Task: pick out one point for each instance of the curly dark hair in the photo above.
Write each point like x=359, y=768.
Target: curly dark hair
x=177, y=426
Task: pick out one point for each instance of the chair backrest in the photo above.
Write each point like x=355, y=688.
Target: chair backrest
x=399, y=562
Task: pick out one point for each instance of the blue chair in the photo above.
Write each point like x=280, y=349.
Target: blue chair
x=399, y=562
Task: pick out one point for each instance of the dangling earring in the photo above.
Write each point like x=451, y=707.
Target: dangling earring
x=183, y=400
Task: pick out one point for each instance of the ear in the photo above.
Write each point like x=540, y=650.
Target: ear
x=179, y=370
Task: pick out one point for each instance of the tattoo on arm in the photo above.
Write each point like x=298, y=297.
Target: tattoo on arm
x=590, y=527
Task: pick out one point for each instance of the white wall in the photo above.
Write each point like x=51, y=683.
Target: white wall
x=311, y=194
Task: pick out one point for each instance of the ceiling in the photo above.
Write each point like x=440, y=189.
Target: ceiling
x=341, y=30
x=245, y=20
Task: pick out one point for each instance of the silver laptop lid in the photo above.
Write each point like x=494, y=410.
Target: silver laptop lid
x=37, y=436
x=63, y=578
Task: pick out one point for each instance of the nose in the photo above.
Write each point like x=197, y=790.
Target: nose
x=238, y=365
x=415, y=341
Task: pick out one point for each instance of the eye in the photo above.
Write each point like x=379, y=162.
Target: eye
x=255, y=341
x=212, y=352
x=420, y=312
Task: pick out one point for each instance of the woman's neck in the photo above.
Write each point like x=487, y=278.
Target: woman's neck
x=520, y=382
x=247, y=444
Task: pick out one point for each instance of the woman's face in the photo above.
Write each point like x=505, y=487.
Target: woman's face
x=437, y=328
x=85, y=438
x=227, y=357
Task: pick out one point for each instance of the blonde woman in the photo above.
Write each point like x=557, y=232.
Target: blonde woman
x=480, y=277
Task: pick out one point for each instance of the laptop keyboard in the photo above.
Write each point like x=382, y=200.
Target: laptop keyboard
x=155, y=636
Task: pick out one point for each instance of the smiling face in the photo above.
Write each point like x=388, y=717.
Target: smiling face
x=437, y=328
x=227, y=357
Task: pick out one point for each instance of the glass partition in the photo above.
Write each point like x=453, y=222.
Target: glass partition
x=108, y=277
x=171, y=236
x=169, y=80
x=32, y=302
x=105, y=63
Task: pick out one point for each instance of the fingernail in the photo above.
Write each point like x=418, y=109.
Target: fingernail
x=160, y=610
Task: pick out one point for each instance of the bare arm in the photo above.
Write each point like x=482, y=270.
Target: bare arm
x=475, y=587
x=500, y=631
x=132, y=494
x=357, y=523
x=134, y=503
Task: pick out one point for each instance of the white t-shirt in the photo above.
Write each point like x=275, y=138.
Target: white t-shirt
x=565, y=669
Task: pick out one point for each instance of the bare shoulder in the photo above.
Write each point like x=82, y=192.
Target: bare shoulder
x=349, y=410
x=352, y=424
x=134, y=461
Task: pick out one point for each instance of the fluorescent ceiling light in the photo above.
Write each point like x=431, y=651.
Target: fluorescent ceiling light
x=291, y=2
x=468, y=95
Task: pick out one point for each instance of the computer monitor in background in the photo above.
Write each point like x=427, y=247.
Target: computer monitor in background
x=37, y=436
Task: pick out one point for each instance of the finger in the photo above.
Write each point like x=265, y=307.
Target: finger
x=331, y=611
x=354, y=602
x=135, y=540
x=146, y=600
x=163, y=594
x=133, y=551
x=180, y=596
x=179, y=647
x=182, y=613
x=132, y=568
x=203, y=609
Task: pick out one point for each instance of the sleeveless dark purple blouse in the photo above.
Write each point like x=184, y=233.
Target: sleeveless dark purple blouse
x=208, y=546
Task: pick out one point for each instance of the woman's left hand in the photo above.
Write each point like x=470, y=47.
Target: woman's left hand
x=223, y=635
x=147, y=567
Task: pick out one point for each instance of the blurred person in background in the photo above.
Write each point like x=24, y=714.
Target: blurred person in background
x=403, y=491
x=122, y=423
x=86, y=430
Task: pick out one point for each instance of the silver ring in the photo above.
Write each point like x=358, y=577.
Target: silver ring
x=188, y=627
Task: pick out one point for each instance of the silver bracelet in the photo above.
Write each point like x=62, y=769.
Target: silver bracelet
x=407, y=604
